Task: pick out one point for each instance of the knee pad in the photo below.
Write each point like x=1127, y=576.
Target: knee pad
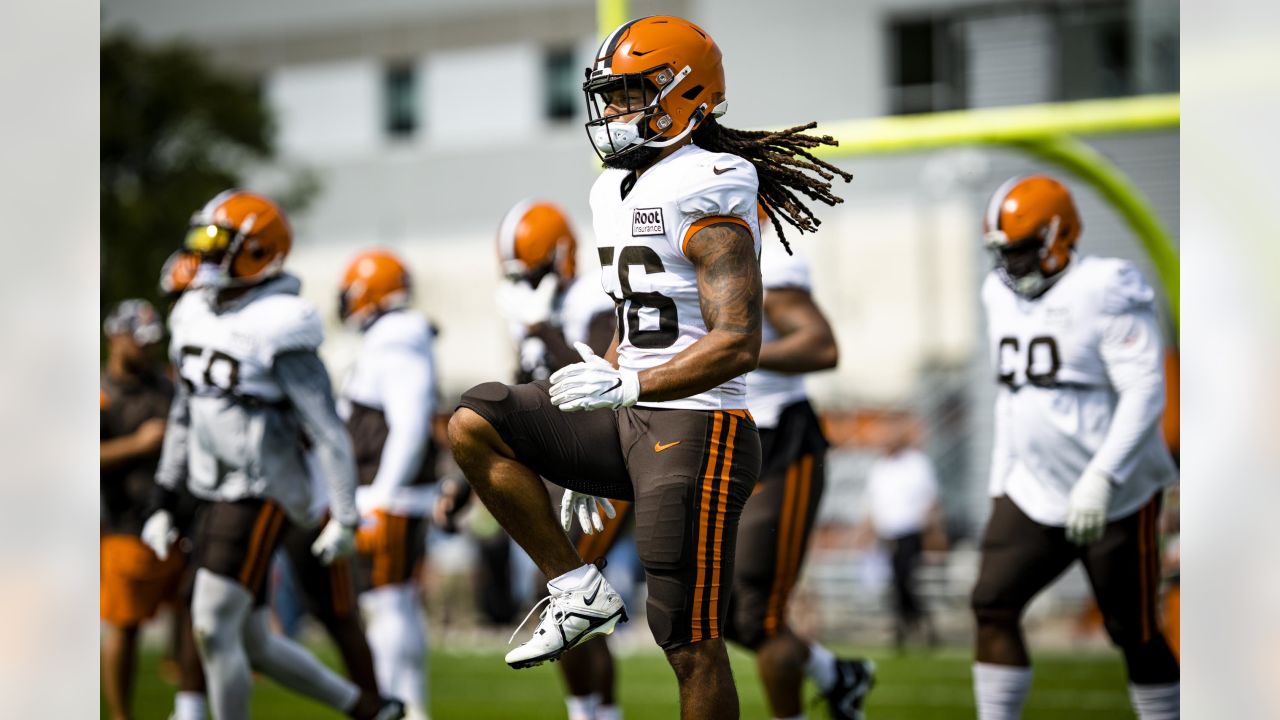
x=219, y=607
x=488, y=400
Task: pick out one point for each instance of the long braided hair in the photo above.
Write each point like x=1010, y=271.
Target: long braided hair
x=781, y=159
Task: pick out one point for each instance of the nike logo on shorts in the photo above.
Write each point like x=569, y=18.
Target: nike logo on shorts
x=721, y=171
x=659, y=447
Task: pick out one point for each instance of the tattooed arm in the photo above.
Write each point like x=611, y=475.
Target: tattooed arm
x=730, y=294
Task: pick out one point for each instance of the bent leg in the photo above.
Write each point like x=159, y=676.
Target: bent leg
x=1019, y=558
x=289, y=664
x=1123, y=568
x=119, y=658
x=219, y=609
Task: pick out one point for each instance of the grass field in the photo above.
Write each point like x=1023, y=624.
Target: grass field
x=473, y=686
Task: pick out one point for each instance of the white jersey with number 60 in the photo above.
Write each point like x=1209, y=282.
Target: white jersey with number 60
x=1081, y=386
x=642, y=227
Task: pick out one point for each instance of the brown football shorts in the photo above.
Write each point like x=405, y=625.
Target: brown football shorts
x=688, y=473
x=327, y=591
x=237, y=539
x=773, y=533
x=390, y=549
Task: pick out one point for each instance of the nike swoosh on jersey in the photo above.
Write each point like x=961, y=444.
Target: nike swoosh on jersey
x=659, y=447
x=721, y=171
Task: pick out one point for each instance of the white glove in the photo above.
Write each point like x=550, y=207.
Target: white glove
x=1087, y=508
x=158, y=533
x=593, y=384
x=525, y=305
x=587, y=508
x=336, y=540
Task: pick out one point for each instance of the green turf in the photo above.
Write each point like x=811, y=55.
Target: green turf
x=911, y=687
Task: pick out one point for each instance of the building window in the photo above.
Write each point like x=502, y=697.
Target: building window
x=925, y=65
x=562, y=75
x=1095, y=51
x=400, y=98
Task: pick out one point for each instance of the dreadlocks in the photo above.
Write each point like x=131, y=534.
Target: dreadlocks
x=780, y=159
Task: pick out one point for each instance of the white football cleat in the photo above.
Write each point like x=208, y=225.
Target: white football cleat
x=572, y=616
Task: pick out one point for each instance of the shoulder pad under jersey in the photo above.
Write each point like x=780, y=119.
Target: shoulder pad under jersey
x=717, y=184
x=402, y=329
x=1123, y=288
x=286, y=323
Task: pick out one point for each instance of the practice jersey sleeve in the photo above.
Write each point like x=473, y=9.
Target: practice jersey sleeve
x=407, y=386
x=171, y=473
x=1130, y=347
x=305, y=382
x=721, y=185
x=290, y=324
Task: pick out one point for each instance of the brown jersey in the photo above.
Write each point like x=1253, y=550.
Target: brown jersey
x=126, y=403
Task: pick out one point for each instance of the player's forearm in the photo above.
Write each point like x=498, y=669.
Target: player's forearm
x=803, y=351
x=118, y=451
x=559, y=353
x=716, y=358
x=171, y=472
x=306, y=383
x=1137, y=414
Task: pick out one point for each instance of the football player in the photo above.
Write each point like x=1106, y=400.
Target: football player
x=134, y=399
x=328, y=591
x=549, y=308
x=1078, y=466
x=662, y=418
x=388, y=401
x=253, y=394
x=773, y=533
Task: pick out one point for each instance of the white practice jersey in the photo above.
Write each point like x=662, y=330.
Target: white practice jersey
x=641, y=238
x=1081, y=386
x=769, y=392
x=388, y=400
x=243, y=440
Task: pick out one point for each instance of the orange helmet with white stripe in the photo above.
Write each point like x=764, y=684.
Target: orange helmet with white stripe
x=241, y=238
x=654, y=80
x=1031, y=227
x=534, y=239
x=374, y=282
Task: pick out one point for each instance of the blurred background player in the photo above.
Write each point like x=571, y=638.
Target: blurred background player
x=326, y=591
x=1079, y=465
x=134, y=399
x=388, y=400
x=252, y=394
x=902, y=500
x=678, y=239
x=549, y=308
x=773, y=533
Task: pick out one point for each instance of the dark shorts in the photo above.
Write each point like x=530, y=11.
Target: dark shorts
x=689, y=473
x=237, y=539
x=389, y=550
x=328, y=591
x=1020, y=557
x=773, y=533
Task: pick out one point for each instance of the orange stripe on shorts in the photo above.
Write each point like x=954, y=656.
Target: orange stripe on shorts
x=722, y=506
x=708, y=478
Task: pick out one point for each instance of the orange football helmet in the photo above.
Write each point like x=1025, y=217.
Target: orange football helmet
x=1031, y=227
x=243, y=235
x=374, y=282
x=654, y=80
x=179, y=272
x=535, y=238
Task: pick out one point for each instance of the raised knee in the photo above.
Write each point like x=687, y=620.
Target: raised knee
x=465, y=428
